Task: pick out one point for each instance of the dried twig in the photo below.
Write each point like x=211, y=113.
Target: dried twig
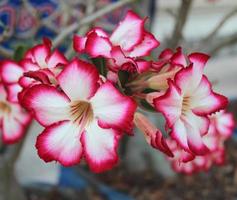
x=6, y=52
x=90, y=8
x=180, y=23
x=220, y=25
x=88, y=19
x=229, y=40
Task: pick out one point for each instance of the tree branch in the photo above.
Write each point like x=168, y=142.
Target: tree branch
x=181, y=19
x=88, y=19
x=90, y=8
x=220, y=25
x=6, y=52
x=229, y=40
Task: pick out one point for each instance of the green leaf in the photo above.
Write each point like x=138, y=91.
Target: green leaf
x=19, y=52
x=145, y=105
x=123, y=77
x=100, y=65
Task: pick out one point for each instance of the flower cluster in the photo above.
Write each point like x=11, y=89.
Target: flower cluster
x=86, y=106
x=221, y=128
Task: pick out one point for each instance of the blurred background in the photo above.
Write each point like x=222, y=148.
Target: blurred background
x=209, y=26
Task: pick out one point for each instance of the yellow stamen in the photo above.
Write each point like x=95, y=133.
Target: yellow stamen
x=81, y=112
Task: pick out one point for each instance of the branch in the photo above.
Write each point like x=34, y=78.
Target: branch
x=229, y=40
x=180, y=23
x=90, y=8
x=220, y=25
x=88, y=19
x=6, y=52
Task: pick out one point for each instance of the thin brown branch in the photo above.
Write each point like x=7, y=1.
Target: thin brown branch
x=90, y=8
x=213, y=33
x=181, y=19
x=6, y=53
x=227, y=41
x=88, y=19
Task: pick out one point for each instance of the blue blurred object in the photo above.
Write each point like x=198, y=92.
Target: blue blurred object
x=70, y=178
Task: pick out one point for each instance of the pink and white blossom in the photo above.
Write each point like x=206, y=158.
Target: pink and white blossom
x=222, y=123
x=187, y=103
x=14, y=120
x=82, y=119
x=124, y=48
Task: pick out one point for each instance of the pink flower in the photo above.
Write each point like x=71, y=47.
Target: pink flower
x=187, y=103
x=39, y=65
x=124, y=48
x=42, y=57
x=11, y=72
x=169, y=59
x=42, y=64
x=14, y=121
x=194, y=164
x=222, y=123
x=152, y=135
x=83, y=118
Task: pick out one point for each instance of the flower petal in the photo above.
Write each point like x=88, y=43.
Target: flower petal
x=112, y=108
x=205, y=101
x=79, y=43
x=100, y=147
x=188, y=79
x=179, y=133
x=55, y=59
x=47, y=103
x=178, y=58
x=199, y=60
x=10, y=71
x=143, y=65
x=144, y=48
x=79, y=80
x=195, y=142
x=12, y=130
x=60, y=142
x=170, y=104
x=28, y=65
x=98, y=46
x=40, y=54
x=129, y=32
x=12, y=92
x=121, y=61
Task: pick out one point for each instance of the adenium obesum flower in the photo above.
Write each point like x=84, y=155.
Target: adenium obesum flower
x=82, y=119
x=124, y=48
x=42, y=64
x=222, y=123
x=39, y=65
x=14, y=120
x=187, y=103
x=188, y=163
